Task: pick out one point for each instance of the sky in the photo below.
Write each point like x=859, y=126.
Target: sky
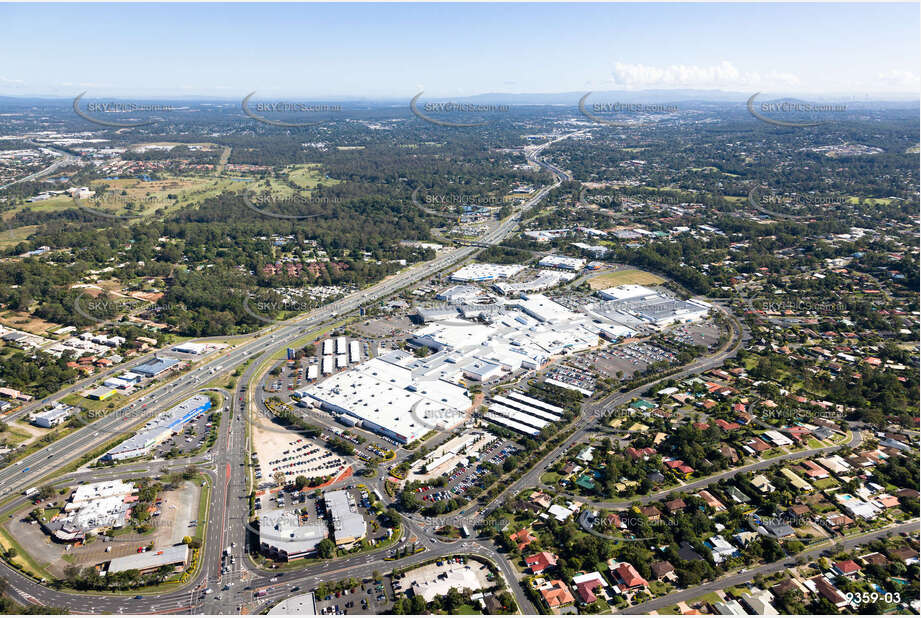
x=322, y=51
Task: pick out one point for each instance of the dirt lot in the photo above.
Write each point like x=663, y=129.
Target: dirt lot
x=27, y=323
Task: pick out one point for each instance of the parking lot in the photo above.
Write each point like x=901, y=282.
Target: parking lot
x=705, y=334
x=189, y=439
x=631, y=358
x=576, y=373
x=371, y=597
x=462, y=478
x=283, y=452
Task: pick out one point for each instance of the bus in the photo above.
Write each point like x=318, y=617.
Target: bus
x=30, y=492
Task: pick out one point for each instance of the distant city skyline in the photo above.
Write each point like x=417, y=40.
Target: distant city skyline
x=393, y=51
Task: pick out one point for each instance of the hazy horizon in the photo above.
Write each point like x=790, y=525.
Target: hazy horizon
x=392, y=51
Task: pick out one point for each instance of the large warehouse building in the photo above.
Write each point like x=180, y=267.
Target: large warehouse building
x=386, y=397
x=159, y=429
x=636, y=305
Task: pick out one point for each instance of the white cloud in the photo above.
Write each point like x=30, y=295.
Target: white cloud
x=895, y=78
x=722, y=75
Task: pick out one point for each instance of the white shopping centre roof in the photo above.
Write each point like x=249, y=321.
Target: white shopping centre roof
x=389, y=396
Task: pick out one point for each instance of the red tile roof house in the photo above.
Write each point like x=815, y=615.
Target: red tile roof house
x=586, y=589
x=637, y=454
x=726, y=426
x=711, y=501
x=887, y=501
x=557, y=595
x=846, y=568
x=758, y=445
x=540, y=562
x=813, y=470
x=523, y=538
x=614, y=521
x=680, y=467
x=627, y=577
x=797, y=434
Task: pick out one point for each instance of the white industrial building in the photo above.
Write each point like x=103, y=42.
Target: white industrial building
x=403, y=397
x=387, y=396
x=354, y=351
x=190, y=347
x=563, y=262
x=53, y=417
x=461, y=294
x=486, y=272
x=545, y=279
x=633, y=306
x=623, y=292
x=160, y=428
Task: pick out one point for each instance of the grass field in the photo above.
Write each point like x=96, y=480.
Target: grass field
x=308, y=176
x=10, y=237
x=875, y=201
x=624, y=277
x=145, y=198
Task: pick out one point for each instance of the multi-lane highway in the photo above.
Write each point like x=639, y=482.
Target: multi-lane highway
x=228, y=511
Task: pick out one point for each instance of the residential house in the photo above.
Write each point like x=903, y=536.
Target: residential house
x=540, y=562
x=663, y=569
x=846, y=568
x=588, y=585
x=626, y=577
x=711, y=501
x=556, y=594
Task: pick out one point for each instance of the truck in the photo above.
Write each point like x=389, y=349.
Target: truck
x=216, y=369
x=30, y=492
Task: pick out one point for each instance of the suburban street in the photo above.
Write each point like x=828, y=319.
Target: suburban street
x=228, y=511
x=736, y=579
